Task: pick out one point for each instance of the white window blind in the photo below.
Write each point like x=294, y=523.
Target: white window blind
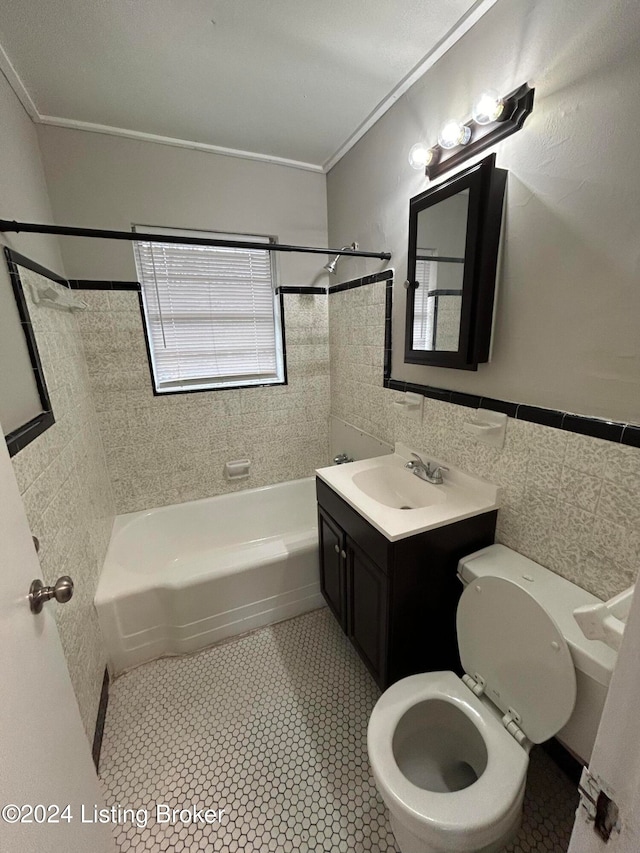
x=423, y=304
x=213, y=318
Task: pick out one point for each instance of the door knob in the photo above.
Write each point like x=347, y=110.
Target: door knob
x=62, y=591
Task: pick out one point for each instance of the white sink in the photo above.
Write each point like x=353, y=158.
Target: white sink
x=399, y=504
x=398, y=488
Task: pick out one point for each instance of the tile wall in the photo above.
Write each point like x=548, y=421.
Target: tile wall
x=570, y=502
x=167, y=449
x=65, y=487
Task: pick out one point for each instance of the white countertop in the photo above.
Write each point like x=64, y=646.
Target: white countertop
x=460, y=496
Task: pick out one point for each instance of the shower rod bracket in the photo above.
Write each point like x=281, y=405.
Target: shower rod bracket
x=139, y=236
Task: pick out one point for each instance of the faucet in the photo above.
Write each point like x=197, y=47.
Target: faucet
x=341, y=458
x=425, y=471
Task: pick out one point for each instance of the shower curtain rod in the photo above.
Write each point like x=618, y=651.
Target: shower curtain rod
x=139, y=236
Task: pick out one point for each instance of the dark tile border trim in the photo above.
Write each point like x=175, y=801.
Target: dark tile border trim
x=100, y=720
x=286, y=288
x=615, y=431
x=546, y=417
x=386, y=275
x=388, y=311
x=95, y=284
x=596, y=427
x=22, y=436
x=631, y=435
x=23, y=261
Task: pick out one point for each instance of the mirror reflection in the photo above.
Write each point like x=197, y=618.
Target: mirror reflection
x=440, y=250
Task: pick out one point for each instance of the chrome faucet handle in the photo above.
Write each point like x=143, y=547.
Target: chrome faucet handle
x=436, y=474
x=420, y=462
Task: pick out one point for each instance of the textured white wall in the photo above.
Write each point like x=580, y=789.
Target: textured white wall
x=61, y=474
x=67, y=495
x=567, y=332
x=172, y=448
x=163, y=450
x=104, y=182
x=23, y=195
x=569, y=502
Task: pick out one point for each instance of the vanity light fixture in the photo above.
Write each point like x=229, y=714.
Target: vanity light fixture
x=454, y=133
x=493, y=118
x=420, y=156
x=487, y=107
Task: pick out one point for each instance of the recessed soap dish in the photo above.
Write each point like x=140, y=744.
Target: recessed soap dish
x=237, y=469
x=487, y=427
x=410, y=405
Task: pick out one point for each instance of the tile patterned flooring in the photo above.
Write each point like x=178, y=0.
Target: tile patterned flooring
x=271, y=727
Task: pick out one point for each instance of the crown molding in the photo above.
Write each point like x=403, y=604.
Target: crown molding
x=91, y=127
x=13, y=79
x=455, y=33
x=480, y=8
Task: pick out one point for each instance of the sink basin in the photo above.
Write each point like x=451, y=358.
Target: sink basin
x=399, y=504
x=397, y=488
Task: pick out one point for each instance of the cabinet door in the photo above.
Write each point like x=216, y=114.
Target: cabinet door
x=332, y=566
x=368, y=605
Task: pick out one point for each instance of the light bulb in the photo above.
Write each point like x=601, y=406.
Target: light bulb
x=420, y=156
x=488, y=107
x=454, y=133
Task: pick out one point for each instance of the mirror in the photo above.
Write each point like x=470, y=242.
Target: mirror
x=25, y=407
x=454, y=232
x=440, y=244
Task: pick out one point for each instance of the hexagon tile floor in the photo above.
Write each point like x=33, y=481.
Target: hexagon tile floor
x=271, y=727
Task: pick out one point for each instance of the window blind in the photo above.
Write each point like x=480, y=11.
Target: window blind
x=423, y=305
x=212, y=315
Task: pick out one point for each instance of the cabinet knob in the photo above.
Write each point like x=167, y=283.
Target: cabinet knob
x=336, y=548
x=343, y=554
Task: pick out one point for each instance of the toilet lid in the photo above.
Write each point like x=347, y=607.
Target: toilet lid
x=506, y=637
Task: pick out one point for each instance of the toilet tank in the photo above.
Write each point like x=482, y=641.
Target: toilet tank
x=593, y=660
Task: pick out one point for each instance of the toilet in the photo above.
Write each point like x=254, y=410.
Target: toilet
x=450, y=755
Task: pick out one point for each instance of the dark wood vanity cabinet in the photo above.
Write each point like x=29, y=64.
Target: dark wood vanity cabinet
x=396, y=601
x=333, y=573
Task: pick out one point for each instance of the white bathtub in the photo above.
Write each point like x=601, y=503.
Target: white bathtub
x=179, y=578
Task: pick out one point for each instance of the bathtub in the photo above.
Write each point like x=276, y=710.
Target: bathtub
x=179, y=578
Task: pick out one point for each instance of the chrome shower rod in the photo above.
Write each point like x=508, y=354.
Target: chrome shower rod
x=140, y=236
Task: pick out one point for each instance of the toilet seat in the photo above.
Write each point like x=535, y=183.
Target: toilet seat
x=460, y=820
x=522, y=659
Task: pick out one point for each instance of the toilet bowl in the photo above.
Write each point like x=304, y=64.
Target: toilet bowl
x=450, y=755
x=450, y=774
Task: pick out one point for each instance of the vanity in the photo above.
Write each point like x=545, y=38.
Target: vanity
x=389, y=550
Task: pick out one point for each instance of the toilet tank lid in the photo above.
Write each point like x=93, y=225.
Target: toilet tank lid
x=558, y=596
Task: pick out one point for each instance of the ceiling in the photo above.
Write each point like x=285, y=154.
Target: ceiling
x=284, y=79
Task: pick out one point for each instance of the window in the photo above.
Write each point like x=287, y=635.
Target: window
x=212, y=315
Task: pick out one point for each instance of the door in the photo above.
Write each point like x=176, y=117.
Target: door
x=332, y=566
x=368, y=604
x=44, y=754
x=615, y=761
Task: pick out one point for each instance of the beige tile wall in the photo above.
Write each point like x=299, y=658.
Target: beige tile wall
x=67, y=495
x=168, y=449
x=571, y=503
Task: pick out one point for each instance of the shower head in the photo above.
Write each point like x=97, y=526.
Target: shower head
x=331, y=265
